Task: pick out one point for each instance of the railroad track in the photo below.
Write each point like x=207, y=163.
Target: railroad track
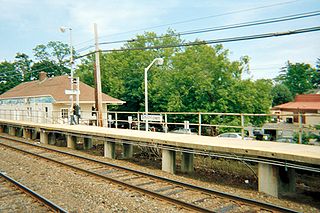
x=15, y=197
x=181, y=194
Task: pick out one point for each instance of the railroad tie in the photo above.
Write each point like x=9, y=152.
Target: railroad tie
x=175, y=192
x=146, y=183
x=227, y=208
x=164, y=189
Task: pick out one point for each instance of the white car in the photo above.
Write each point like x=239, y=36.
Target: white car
x=190, y=131
x=232, y=135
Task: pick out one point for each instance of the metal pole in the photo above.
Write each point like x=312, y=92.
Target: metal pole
x=242, y=126
x=146, y=95
x=71, y=71
x=116, y=118
x=138, y=120
x=199, y=123
x=300, y=128
x=166, y=122
x=78, y=91
x=98, y=100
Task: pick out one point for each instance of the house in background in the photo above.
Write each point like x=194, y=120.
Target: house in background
x=287, y=124
x=45, y=101
x=308, y=105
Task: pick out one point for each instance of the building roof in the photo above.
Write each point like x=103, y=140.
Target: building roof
x=56, y=87
x=302, y=102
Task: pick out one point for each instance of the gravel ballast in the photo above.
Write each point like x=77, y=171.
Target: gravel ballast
x=79, y=192
x=75, y=191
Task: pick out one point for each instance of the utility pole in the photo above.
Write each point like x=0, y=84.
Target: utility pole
x=97, y=80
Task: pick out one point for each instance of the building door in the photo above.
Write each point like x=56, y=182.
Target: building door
x=296, y=119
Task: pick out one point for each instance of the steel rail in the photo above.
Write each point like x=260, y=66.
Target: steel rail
x=137, y=188
x=183, y=184
x=35, y=195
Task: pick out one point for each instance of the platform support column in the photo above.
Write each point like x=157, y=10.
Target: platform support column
x=34, y=134
x=71, y=141
x=127, y=151
x=287, y=178
x=169, y=161
x=187, y=163
x=110, y=149
x=12, y=130
x=87, y=143
x=19, y=132
x=274, y=180
x=6, y=129
x=44, y=137
x=26, y=133
x=52, y=138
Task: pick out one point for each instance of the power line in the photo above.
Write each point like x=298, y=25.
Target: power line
x=232, y=26
x=254, y=23
x=223, y=40
x=84, y=48
x=27, y=72
x=206, y=17
x=264, y=68
x=196, y=19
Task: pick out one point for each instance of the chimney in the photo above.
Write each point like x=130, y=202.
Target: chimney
x=42, y=76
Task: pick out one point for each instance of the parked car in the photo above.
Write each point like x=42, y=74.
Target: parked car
x=191, y=131
x=152, y=127
x=286, y=140
x=260, y=136
x=232, y=135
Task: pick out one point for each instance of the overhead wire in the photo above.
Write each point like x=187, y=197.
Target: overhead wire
x=84, y=48
x=223, y=40
x=239, y=25
x=227, y=27
x=27, y=72
x=194, y=19
x=206, y=17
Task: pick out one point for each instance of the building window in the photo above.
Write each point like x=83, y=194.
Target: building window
x=46, y=112
x=29, y=112
x=64, y=113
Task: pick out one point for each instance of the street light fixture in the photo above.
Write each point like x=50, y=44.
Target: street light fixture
x=63, y=30
x=156, y=61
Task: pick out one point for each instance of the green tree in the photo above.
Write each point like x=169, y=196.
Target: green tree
x=55, y=51
x=199, y=78
x=317, y=79
x=195, y=78
x=9, y=76
x=280, y=94
x=52, y=58
x=123, y=72
x=23, y=65
x=298, y=77
x=52, y=69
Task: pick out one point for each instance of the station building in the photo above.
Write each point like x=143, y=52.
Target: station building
x=45, y=101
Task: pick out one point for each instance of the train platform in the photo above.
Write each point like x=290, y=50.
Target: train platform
x=272, y=157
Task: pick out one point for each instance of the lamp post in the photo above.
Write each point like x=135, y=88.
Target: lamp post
x=157, y=61
x=63, y=30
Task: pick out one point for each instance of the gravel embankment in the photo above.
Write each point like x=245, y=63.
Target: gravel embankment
x=82, y=193
x=74, y=191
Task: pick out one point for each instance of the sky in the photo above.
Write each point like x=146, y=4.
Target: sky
x=27, y=23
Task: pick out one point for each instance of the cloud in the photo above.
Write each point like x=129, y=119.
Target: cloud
x=268, y=56
x=116, y=16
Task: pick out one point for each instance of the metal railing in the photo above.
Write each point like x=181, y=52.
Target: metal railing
x=203, y=123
